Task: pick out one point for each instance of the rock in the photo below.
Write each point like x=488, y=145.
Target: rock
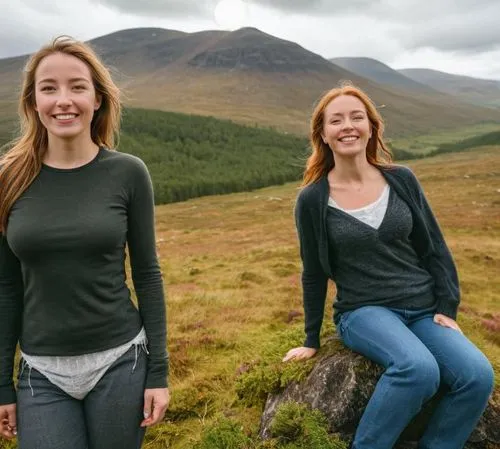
x=340, y=386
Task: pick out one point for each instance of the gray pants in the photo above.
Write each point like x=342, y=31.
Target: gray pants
x=107, y=418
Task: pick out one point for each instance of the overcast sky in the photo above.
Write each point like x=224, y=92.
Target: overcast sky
x=455, y=36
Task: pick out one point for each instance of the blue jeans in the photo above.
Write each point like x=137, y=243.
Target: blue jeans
x=417, y=355
x=107, y=418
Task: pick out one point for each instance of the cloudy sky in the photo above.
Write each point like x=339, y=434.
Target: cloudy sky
x=456, y=36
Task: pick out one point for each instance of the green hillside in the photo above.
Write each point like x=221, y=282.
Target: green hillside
x=487, y=139
x=191, y=156
x=484, y=139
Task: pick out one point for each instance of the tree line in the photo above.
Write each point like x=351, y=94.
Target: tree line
x=190, y=156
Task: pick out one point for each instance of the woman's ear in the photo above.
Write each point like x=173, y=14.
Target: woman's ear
x=98, y=102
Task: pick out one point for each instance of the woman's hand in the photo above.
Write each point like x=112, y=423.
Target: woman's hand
x=446, y=321
x=155, y=405
x=8, y=425
x=300, y=353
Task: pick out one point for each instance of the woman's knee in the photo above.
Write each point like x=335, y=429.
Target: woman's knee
x=478, y=377
x=422, y=372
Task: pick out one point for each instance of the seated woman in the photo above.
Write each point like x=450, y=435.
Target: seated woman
x=365, y=223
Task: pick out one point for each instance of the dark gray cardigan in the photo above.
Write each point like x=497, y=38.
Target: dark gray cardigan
x=315, y=249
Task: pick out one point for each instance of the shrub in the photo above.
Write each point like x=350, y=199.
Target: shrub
x=224, y=433
x=298, y=427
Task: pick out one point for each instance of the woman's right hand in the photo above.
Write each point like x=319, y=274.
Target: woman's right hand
x=8, y=425
x=300, y=353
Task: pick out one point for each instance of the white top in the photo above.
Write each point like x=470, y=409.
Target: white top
x=78, y=374
x=372, y=214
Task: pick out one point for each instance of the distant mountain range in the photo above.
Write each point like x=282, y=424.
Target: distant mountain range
x=380, y=73
x=464, y=88
x=473, y=90
x=254, y=78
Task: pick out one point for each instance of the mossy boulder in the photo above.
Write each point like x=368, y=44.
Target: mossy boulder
x=340, y=385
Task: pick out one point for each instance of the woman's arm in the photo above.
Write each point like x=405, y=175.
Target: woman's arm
x=146, y=274
x=11, y=307
x=314, y=279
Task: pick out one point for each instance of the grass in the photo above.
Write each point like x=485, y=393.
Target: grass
x=232, y=268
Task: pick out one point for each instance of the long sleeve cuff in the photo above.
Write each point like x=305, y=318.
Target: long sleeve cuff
x=7, y=394
x=448, y=308
x=312, y=342
x=157, y=375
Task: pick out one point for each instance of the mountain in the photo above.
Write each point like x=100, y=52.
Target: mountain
x=380, y=73
x=249, y=48
x=145, y=50
x=464, y=88
x=247, y=76
x=250, y=77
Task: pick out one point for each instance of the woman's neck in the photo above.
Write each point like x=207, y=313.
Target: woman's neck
x=69, y=154
x=352, y=171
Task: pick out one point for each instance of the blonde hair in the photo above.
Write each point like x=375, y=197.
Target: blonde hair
x=321, y=160
x=20, y=165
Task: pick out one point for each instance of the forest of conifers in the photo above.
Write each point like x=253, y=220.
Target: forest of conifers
x=191, y=156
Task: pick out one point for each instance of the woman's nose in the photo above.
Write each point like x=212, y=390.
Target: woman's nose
x=64, y=99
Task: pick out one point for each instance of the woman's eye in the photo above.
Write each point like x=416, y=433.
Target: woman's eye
x=47, y=88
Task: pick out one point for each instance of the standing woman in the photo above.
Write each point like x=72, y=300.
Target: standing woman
x=94, y=367
x=366, y=224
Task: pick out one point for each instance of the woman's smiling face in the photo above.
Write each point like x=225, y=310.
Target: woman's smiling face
x=346, y=127
x=65, y=96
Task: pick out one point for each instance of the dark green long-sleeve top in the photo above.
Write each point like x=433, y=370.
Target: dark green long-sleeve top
x=317, y=252
x=62, y=266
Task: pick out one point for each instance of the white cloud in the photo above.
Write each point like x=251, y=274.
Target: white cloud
x=166, y=9
x=465, y=31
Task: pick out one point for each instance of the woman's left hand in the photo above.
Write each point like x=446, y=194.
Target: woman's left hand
x=446, y=321
x=155, y=405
